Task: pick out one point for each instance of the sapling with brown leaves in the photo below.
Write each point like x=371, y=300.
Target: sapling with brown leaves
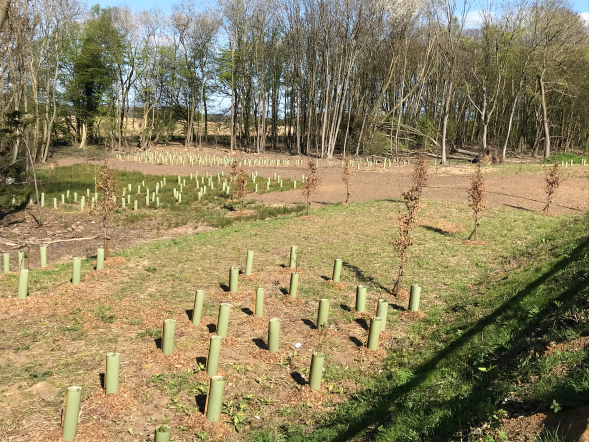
x=309, y=187
x=106, y=206
x=348, y=173
x=553, y=180
x=476, y=198
x=240, y=188
x=405, y=224
x=420, y=177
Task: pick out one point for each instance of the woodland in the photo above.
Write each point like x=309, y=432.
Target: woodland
x=314, y=77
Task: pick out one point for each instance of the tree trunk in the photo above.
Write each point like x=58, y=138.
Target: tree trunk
x=4, y=7
x=544, y=117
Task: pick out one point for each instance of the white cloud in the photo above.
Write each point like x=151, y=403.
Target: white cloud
x=585, y=17
x=473, y=19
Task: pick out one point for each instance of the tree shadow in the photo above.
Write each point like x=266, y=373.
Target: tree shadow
x=260, y=343
x=325, y=278
x=298, y=378
x=345, y=308
x=247, y=311
x=201, y=360
x=224, y=287
x=465, y=409
x=102, y=378
x=309, y=323
x=356, y=341
x=158, y=343
x=364, y=279
x=189, y=313
x=362, y=323
x=212, y=328
x=200, y=401
x=284, y=290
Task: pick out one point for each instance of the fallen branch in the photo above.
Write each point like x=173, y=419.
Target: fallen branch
x=36, y=243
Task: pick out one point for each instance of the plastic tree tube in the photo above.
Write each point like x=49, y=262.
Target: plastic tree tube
x=69, y=422
x=111, y=374
x=197, y=310
x=21, y=261
x=249, y=262
x=259, y=302
x=215, y=398
x=414, y=298
x=162, y=433
x=223, y=319
x=100, y=258
x=382, y=306
x=23, y=284
x=337, y=270
x=43, y=255
x=273, y=335
x=168, y=336
x=316, y=371
x=76, y=270
x=294, y=282
x=233, y=279
x=361, y=299
x=374, y=333
x=323, y=314
x=6, y=262
x=293, y=257
x=214, y=352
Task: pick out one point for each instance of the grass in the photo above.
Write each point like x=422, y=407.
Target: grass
x=211, y=210
x=491, y=310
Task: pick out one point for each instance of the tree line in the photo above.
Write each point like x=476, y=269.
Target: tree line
x=382, y=77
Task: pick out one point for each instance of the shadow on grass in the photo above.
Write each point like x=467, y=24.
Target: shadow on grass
x=391, y=407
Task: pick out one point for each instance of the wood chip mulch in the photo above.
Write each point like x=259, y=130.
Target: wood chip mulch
x=112, y=405
x=85, y=433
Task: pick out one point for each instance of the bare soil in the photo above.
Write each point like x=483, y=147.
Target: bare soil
x=521, y=190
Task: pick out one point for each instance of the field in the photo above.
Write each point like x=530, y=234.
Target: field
x=501, y=331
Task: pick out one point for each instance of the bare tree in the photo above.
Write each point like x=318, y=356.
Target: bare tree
x=309, y=187
x=553, y=180
x=347, y=175
x=476, y=197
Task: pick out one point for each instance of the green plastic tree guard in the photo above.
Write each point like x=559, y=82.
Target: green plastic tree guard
x=249, y=262
x=111, y=374
x=146, y=200
x=293, y=257
x=259, y=302
x=323, y=314
x=168, y=336
x=162, y=433
x=42, y=199
x=62, y=199
x=100, y=258
x=129, y=199
x=75, y=197
x=76, y=270
x=294, y=282
x=374, y=332
x=23, y=284
x=215, y=398
x=214, y=353
x=6, y=262
x=316, y=372
x=71, y=412
x=414, y=298
x=361, y=299
x=273, y=335
x=233, y=279
x=337, y=270
x=157, y=202
x=382, y=307
x=21, y=261
x=55, y=203
x=223, y=319
x=82, y=202
x=43, y=256
x=123, y=202
x=199, y=298
x=135, y=205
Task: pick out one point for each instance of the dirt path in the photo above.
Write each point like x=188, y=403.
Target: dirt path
x=517, y=190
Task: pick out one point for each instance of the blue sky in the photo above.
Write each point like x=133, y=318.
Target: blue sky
x=581, y=6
